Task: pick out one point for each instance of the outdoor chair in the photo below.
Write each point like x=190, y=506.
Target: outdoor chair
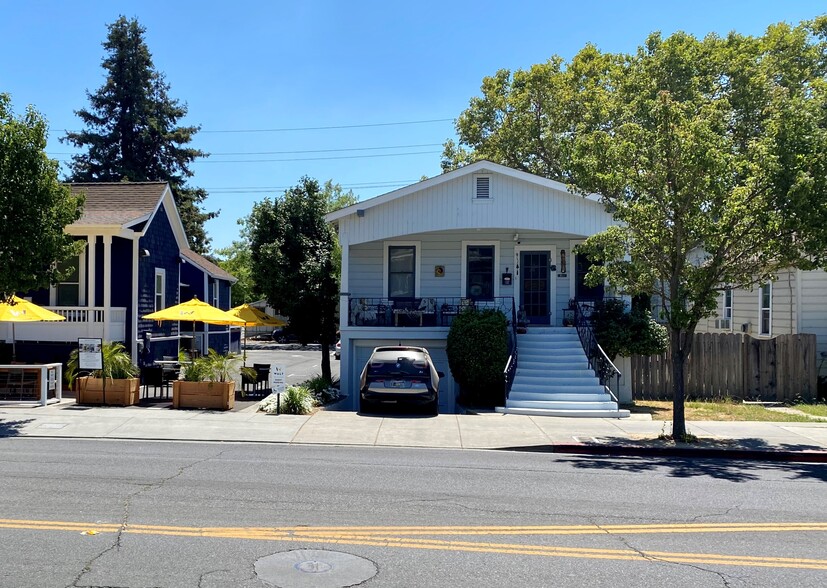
x=154, y=376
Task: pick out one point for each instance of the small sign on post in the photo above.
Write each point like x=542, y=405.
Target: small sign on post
x=90, y=354
x=278, y=380
x=278, y=383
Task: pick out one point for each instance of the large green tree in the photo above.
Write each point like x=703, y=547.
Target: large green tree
x=711, y=153
x=293, y=252
x=132, y=131
x=34, y=207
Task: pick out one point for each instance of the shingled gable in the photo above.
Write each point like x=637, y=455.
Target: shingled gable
x=208, y=266
x=128, y=206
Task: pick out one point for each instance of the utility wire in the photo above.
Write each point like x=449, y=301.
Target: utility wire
x=204, y=160
x=266, y=189
x=297, y=151
x=323, y=128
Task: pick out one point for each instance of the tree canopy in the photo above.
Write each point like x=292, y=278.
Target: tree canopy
x=34, y=207
x=132, y=131
x=711, y=153
x=294, y=259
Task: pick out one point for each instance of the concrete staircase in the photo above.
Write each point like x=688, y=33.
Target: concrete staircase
x=553, y=378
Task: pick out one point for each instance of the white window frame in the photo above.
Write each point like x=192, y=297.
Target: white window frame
x=386, y=245
x=464, y=265
x=474, y=197
x=82, y=286
x=726, y=312
x=214, y=297
x=762, y=308
x=162, y=273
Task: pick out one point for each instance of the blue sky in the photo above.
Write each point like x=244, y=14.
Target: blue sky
x=274, y=67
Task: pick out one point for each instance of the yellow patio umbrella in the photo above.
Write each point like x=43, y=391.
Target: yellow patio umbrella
x=20, y=310
x=254, y=317
x=196, y=311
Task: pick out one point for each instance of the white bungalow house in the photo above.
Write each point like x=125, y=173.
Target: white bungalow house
x=794, y=303
x=487, y=235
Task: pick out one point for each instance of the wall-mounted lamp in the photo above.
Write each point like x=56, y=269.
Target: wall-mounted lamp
x=144, y=252
x=516, y=236
x=562, y=261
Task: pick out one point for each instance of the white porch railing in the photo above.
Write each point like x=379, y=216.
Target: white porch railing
x=81, y=321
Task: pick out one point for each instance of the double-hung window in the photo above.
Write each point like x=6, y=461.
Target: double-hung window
x=160, y=288
x=401, y=271
x=726, y=322
x=479, y=282
x=68, y=289
x=765, y=308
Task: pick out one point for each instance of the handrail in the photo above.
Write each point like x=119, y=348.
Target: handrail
x=598, y=360
x=510, y=370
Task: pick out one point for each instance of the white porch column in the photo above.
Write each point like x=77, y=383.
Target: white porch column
x=91, y=241
x=344, y=287
x=133, y=318
x=107, y=285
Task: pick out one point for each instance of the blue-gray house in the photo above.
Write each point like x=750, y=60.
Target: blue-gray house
x=136, y=261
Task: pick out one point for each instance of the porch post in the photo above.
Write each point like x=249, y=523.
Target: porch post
x=107, y=284
x=133, y=316
x=344, y=288
x=91, y=241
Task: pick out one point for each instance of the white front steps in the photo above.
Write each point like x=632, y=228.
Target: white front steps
x=553, y=378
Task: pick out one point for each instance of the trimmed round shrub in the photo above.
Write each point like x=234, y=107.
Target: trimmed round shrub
x=477, y=353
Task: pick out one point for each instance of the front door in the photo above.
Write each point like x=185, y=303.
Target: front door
x=535, y=286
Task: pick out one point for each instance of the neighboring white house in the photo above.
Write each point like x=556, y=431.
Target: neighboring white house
x=413, y=257
x=794, y=303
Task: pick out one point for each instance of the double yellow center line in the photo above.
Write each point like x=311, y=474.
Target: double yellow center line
x=425, y=537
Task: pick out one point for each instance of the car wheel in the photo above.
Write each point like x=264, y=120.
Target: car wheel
x=366, y=406
x=282, y=339
x=432, y=408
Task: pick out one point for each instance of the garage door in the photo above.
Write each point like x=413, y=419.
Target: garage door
x=447, y=399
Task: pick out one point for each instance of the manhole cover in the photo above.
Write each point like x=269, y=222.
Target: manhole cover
x=316, y=568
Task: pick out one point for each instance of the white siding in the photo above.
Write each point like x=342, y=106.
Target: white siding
x=814, y=310
x=514, y=205
x=745, y=309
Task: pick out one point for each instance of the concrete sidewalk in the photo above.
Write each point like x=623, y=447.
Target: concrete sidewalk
x=633, y=436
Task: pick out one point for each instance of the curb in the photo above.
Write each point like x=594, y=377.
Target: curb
x=692, y=452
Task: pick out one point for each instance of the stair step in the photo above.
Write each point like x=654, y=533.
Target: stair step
x=558, y=397
x=556, y=382
x=561, y=405
x=569, y=389
x=561, y=371
x=598, y=414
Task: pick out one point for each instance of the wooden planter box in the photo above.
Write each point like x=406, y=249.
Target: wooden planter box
x=118, y=392
x=215, y=395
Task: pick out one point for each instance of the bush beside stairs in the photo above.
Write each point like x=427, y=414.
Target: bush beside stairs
x=554, y=379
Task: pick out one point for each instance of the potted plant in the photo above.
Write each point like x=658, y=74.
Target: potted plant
x=207, y=382
x=116, y=383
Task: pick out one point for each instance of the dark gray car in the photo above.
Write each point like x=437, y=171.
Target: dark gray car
x=400, y=375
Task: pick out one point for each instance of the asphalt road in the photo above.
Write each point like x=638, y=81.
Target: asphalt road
x=142, y=514
x=300, y=363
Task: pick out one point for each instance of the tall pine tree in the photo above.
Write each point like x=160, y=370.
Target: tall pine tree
x=131, y=129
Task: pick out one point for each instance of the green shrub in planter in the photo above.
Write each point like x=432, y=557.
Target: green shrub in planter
x=477, y=353
x=296, y=400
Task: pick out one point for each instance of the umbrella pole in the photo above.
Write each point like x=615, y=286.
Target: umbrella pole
x=13, y=344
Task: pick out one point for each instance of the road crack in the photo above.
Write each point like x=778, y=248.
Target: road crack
x=127, y=505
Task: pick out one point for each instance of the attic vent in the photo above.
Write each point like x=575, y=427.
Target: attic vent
x=483, y=187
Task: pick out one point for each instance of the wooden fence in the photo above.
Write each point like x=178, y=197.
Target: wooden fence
x=734, y=365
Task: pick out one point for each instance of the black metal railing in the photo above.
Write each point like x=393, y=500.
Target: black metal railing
x=511, y=365
x=598, y=360
x=426, y=311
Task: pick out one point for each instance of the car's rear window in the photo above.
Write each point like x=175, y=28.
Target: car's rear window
x=390, y=364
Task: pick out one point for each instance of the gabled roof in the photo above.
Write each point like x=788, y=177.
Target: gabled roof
x=205, y=264
x=118, y=203
x=478, y=167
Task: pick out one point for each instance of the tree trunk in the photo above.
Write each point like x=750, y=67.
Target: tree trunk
x=678, y=352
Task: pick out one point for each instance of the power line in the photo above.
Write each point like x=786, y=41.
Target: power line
x=331, y=127
x=323, y=128
x=197, y=161
x=298, y=151
x=267, y=189
x=315, y=158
